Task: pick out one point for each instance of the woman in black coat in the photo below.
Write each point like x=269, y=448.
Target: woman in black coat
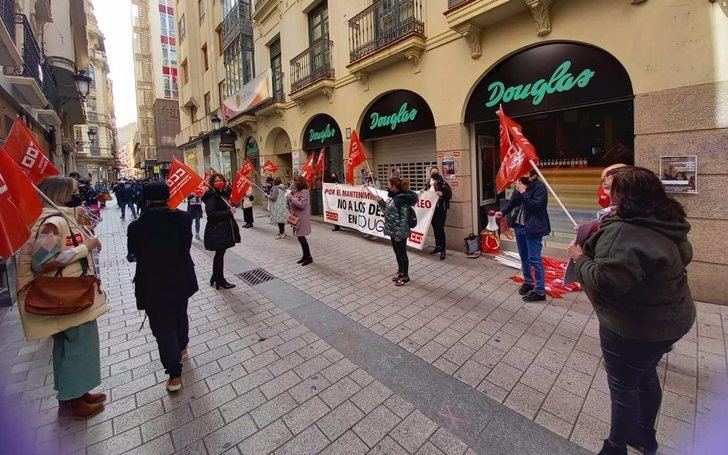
x=221, y=231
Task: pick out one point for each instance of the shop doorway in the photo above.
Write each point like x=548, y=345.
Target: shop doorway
x=322, y=134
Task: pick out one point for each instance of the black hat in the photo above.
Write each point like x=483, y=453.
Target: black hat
x=155, y=191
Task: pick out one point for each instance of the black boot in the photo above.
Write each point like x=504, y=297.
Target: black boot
x=609, y=449
x=645, y=441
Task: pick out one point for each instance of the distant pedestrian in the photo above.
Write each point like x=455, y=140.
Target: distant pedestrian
x=444, y=194
x=396, y=224
x=124, y=192
x=267, y=188
x=221, y=231
x=278, y=207
x=160, y=242
x=633, y=269
x=194, y=208
x=57, y=248
x=248, y=209
x=333, y=178
x=530, y=220
x=299, y=206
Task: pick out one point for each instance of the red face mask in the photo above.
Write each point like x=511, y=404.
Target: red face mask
x=219, y=185
x=603, y=198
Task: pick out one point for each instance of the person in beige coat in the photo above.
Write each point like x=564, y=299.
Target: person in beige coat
x=76, y=358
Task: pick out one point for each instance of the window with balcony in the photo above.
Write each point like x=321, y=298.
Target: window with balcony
x=238, y=58
x=318, y=23
x=314, y=63
x=276, y=66
x=382, y=24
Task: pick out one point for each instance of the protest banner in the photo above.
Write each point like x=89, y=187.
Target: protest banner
x=355, y=207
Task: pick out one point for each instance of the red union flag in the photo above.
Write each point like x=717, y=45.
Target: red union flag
x=269, y=167
x=241, y=185
x=25, y=151
x=200, y=190
x=356, y=157
x=181, y=181
x=516, y=152
x=21, y=189
x=247, y=168
x=308, y=171
x=321, y=162
x=13, y=230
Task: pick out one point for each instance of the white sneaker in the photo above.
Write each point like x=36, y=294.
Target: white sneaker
x=278, y=236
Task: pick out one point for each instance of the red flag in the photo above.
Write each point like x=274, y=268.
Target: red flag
x=247, y=168
x=269, y=167
x=356, y=157
x=182, y=181
x=321, y=162
x=516, y=152
x=25, y=151
x=308, y=170
x=200, y=190
x=21, y=189
x=13, y=230
x=241, y=185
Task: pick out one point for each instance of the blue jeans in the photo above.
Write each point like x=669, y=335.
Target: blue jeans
x=123, y=204
x=197, y=225
x=529, y=248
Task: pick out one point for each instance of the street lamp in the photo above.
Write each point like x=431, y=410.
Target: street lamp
x=83, y=83
x=92, y=136
x=216, y=122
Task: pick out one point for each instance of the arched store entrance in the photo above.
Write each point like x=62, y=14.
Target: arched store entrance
x=575, y=103
x=322, y=133
x=279, y=144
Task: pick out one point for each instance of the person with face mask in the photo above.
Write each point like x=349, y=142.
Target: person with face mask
x=222, y=231
x=603, y=193
x=58, y=249
x=530, y=221
x=165, y=279
x=444, y=193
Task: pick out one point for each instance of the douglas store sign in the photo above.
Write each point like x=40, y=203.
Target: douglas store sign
x=547, y=77
x=397, y=112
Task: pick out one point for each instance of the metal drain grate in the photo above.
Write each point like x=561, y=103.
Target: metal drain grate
x=256, y=276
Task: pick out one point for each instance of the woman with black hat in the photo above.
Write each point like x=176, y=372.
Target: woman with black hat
x=221, y=231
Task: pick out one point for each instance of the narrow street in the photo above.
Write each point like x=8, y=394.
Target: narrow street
x=332, y=358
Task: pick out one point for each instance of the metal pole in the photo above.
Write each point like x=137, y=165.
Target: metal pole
x=553, y=193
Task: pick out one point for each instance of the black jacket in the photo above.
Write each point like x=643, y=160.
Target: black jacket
x=534, y=202
x=634, y=273
x=443, y=203
x=221, y=231
x=165, y=274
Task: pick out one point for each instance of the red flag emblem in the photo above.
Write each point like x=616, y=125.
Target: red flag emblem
x=21, y=189
x=25, y=151
x=241, y=185
x=13, y=230
x=247, y=168
x=357, y=156
x=269, y=167
x=516, y=152
x=321, y=162
x=308, y=171
x=181, y=181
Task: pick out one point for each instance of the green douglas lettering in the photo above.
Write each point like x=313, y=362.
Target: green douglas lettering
x=561, y=81
x=321, y=136
x=393, y=121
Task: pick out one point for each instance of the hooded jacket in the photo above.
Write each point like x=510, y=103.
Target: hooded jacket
x=634, y=273
x=534, y=203
x=396, y=214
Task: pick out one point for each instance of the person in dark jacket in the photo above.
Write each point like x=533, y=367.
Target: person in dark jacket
x=530, y=220
x=124, y=192
x=165, y=279
x=444, y=193
x=194, y=208
x=633, y=269
x=396, y=224
x=221, y=231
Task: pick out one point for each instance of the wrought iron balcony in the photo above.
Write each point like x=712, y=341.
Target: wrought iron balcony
x=312, y=65
x=7, y=14
x=383, y=23
x=237, y=22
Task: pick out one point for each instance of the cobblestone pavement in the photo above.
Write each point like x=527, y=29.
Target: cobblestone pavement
x=298, y=366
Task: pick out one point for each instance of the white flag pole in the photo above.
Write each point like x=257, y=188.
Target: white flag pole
x=553, y=193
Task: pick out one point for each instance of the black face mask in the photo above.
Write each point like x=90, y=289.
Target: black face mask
x=75, y=201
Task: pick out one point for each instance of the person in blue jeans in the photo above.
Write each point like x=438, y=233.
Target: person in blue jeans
x=530, y=220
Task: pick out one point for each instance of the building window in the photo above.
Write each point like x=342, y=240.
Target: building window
x=239, y=68
x=91, y=72
x=205, y=57
x=193, y=113
x=171, y=88
x=221, y=92
x=220, y=40
x=207, y=104
x=201, y=8
x=181, y=27
x=185, y=72
x=276, y=66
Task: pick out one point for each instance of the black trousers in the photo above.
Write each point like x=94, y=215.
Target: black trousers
x=400, y=252
x=304, y=247
x=281, y=228
x=438, y=226
x=248, y=215
x=218, y=265
x=634, y=386
x=170, y=327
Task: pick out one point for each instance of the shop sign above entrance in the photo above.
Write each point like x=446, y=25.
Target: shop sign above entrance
x=321, y=136
x=547, y=77
x=321, y=131
x=397, y=112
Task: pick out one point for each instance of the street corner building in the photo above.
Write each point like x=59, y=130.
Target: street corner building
x=592, y=82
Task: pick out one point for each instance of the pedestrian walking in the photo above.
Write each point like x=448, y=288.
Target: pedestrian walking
x=530, y=220
x=278, y=207
x=160, y=241
x=397, y=224
x=221, y=231
x=299, y=206
x=57, y=249
x=267, y=188
x=633, y=269
x=444, y=193
x=248, y=209
x=124, y=192
x=194, y=208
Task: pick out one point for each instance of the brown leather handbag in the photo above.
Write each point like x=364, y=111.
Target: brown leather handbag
x=59, y=295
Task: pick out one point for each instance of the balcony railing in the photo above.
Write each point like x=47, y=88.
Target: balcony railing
x=383, y=23
x=237, y=22
x=312, y=65
x=7, y=14
x=453, y=3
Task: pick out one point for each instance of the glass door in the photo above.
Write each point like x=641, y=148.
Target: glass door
x=276, y=66
x=318, y=30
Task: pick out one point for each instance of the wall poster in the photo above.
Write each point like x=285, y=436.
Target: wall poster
x=679, y=174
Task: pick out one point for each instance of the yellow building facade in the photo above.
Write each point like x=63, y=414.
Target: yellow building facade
x=592, y=82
